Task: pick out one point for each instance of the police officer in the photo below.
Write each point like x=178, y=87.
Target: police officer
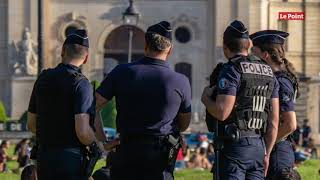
x=246, y=91
x=59, y=112
x=152, y=103
x=269, y=45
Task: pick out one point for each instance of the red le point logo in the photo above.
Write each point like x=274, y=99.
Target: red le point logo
x=291, y=16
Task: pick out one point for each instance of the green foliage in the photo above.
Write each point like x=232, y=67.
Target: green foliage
x=3, y=114
x=95, y=83
x=109, y=112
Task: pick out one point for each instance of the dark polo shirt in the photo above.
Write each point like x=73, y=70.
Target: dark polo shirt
x=149, y=95
x=58, y=95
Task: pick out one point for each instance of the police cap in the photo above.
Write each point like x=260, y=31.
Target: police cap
x=236, y=30
x=269, y=37
x=163, y=28
x=79, y=37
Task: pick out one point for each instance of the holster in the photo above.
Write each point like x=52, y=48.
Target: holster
x=174, y=144
x=232, y=132
x=91, y=154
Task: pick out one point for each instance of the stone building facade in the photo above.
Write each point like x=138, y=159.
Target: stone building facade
x=198, y=28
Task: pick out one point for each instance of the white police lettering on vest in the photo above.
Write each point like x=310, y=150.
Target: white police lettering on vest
x=254, y=68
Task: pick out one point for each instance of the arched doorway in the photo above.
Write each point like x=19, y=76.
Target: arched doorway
x=117, y=44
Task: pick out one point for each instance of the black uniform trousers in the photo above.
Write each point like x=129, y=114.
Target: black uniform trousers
x=243, y=160
x=282, y=157
x=141, y=161
x=60, y=163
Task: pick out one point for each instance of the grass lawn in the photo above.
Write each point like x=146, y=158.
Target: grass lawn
x=308, y=170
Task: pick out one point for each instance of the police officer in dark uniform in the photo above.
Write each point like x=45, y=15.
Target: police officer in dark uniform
x=59, y=112
x=269, y=45
x=246, y=106
x=153, y=105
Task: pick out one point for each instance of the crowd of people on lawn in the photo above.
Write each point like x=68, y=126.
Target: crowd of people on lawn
x=201, y=157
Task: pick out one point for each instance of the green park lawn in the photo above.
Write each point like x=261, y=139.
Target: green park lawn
x=309, y=170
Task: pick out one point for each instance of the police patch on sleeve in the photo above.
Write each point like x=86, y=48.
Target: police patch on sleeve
x=285, y=98
x=223, y=83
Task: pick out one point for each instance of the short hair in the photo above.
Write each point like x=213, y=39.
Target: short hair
x=236, y=44
x=75, y=51
x=156, y=42
x=203, y=150
x=4, y=142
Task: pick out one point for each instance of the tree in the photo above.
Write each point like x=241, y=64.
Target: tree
x=3, y=114
x=109, y=112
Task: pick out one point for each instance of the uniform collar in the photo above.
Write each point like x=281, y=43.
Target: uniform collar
x=237, y=55
x=71, y=66
x=281, y=72
x=150, y=60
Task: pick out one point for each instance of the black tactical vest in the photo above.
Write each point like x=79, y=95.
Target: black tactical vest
x=253, y=102
x=55, y=92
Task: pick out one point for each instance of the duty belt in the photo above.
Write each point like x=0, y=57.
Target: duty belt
x=142, y=138
x=252, y=133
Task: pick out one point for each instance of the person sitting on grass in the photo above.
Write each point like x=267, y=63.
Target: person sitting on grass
x=23, y=153
x=200, y=161
x=312, y=149
x=300, y=155
x=180, y=163
x=4, y=156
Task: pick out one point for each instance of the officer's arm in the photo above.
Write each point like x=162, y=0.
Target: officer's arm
x=84, y=132
x=287, y=106
x=100, y=103
x=32, y=120
x=222, y=107
x=184, y=121
x=227, y=85
x=272, y=126
x=288, y=125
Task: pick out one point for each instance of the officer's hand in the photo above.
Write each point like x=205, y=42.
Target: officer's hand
x=206, y=94
x=101, y=147
x=266, y=164
x=111, y=145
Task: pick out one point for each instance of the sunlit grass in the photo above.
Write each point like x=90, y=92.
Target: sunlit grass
x=308, y=170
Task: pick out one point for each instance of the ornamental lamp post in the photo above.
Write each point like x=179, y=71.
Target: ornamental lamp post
x=40, y=36
x=130, y=18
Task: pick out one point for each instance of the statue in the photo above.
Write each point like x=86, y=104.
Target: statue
x=28, y=54
x=24, y=60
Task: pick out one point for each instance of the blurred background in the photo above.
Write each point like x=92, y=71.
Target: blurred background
x=32, y=33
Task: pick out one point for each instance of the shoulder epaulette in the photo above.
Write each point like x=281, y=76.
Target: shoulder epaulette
x=288, y=76
x=78, y=76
